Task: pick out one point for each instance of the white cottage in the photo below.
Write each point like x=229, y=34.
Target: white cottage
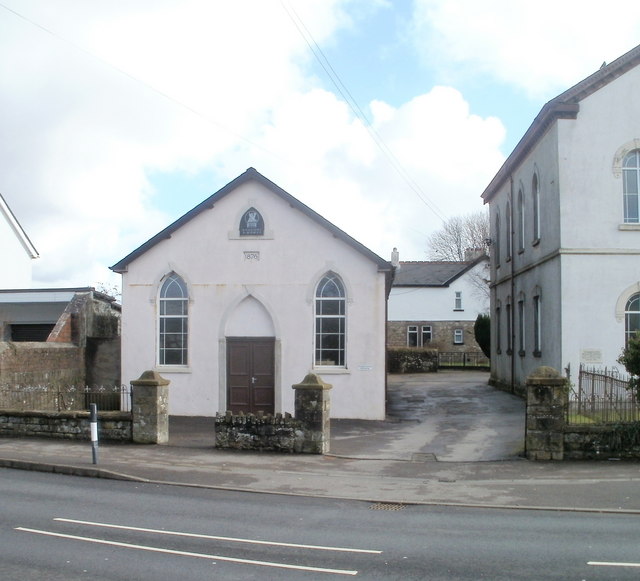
x=436, y=304
x=565, y=220
x=17, y=251
x=245, y=294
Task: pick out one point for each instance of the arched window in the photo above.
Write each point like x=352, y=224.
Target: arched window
x=630, y=183
x=173, y=321
x=535, y=194
x=508, y=233
x=520, y=221
x=496, y=244
x=330, y=322
x=632, y=317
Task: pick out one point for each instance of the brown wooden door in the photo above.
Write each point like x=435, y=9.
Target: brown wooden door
x=250, y=378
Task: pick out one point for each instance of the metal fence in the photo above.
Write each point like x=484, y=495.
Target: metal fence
x=601, y=397
x=44, y=398
x=462, y=359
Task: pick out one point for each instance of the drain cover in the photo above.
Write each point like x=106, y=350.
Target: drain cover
x=387, y=506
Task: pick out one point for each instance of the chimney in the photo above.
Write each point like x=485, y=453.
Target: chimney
x=470, y=254
x=395, y=258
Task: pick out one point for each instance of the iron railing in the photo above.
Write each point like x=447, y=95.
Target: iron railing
x=43, y=398
x=602, y=396
x=462, y=359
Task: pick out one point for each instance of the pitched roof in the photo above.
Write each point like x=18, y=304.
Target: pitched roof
x=432, y=274
x=17, y=228
x=564, y=106
x=251, y=175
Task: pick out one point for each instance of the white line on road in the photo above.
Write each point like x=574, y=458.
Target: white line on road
x=188, y=554
x=612, y=564
x=217, y=538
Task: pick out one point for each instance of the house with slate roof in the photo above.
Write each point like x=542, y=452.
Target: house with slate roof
x=435, y=304
x=245, y=294
x=565, y=229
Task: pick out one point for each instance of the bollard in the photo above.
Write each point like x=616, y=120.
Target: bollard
x=94, y=432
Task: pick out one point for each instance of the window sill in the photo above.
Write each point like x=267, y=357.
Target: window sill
x=458, y=344
x=332, y=370
x=509, y=351
x=458, y=310
x=536, y=242
x=630, y=227
x=537, y=353
x=520, y=250
x=521, y=353
x=172, y=368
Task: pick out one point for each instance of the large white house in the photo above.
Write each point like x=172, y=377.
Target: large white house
x=17, y=251
x=565, y=222
x=245, y=294
x=435, y=304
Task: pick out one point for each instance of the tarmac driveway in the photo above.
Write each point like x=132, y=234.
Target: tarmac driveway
x=449, y=416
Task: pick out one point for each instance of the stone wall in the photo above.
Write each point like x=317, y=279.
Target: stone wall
x=53, y=364
x=308, y=432
x=442, y=335
x=112, y=426
x=279, y=433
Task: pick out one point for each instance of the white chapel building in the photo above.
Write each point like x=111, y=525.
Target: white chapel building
x=248, y=292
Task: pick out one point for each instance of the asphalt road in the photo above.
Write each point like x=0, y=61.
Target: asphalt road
x=56, y=527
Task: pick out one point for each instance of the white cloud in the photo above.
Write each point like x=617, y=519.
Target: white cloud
x=541, y=47
x=82, y=136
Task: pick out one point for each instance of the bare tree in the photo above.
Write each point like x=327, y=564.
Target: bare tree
x=459, y=234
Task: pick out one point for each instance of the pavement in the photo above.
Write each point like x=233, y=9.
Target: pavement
x=449, y=439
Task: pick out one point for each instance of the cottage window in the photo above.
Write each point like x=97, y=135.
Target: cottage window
x=412, y=336
x=458, y=301
x=630, y=185
x=427, y=334
x=173, y=322
x=330, y=322
x=458, y=336
x=631, y=317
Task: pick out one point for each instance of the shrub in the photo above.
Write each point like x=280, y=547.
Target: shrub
x=411, y=360
x=482, y=332
x=630, y=358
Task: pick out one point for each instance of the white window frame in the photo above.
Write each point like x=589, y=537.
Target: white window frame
x=457, y=303
x=427, y=331
x=458, y=336
x=412, y=331
x=173, y=322
x=330, y=309
x=631, y=199
x=631, y=309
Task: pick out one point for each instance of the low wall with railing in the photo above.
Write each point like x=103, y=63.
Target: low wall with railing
x=139, y=414
x=566, y=422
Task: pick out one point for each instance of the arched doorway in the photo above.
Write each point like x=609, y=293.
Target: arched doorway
x=250, y=359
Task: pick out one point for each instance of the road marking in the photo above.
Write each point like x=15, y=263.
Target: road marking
x=612, y=564
x=188, y=554
x=217, y=538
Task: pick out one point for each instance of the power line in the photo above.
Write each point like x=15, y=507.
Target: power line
x=357, y=110
x=145, y=84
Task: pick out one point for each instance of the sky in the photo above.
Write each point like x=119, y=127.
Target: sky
x=387, y=117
